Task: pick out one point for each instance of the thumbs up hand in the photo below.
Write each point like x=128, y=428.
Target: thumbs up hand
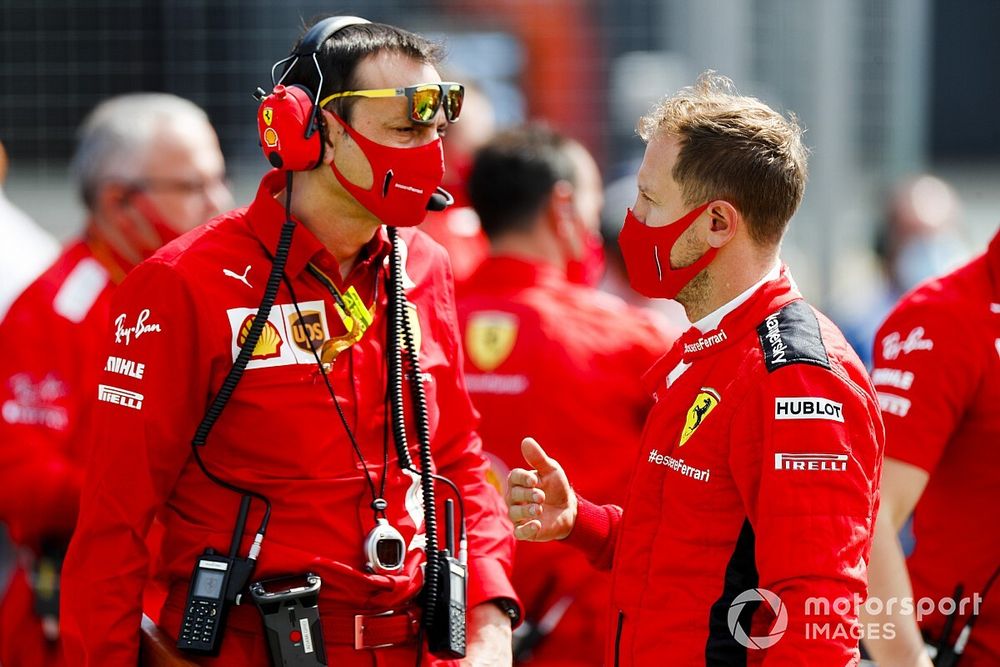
x=540, y=502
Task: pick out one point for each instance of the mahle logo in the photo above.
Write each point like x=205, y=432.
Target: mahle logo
x=777, y=628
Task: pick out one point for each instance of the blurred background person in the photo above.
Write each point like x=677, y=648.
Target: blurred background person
x=148, y=168
x=457, y=227
x=937, y=372
x=919, y=237
x=553, y=359
x=26, y=250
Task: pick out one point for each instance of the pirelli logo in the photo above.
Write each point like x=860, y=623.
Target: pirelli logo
x=123, y=397
x=810, y=462
x=808, y=407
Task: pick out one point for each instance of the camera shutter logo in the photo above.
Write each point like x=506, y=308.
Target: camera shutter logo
x=777, y=628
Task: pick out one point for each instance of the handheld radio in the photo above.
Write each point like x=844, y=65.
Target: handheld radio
x=446, y=636
x=206, y=607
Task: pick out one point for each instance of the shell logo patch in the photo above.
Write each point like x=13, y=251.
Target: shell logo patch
x=490, y=338
x=271, y=138
x=703, y=404
x=268, y=115
x=268, y=345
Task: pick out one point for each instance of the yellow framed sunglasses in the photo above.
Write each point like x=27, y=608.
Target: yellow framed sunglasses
x=425, y=99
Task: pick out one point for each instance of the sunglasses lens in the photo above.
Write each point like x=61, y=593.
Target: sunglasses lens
x=426, y=102
x=453, y=101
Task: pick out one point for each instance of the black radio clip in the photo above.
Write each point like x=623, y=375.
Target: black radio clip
x=290, y=609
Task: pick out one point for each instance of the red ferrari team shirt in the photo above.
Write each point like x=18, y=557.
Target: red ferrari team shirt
x=937, y=371
x=179, y=322
x=561, y=363
x=50, y=340
x=754, y=496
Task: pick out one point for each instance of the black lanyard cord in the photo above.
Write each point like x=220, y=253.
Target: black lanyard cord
x=378, y=503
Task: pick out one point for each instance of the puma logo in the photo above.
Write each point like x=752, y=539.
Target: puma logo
x=242, y=279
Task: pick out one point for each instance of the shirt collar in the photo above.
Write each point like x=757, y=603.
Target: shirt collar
x=712, y=320
x=266, y=216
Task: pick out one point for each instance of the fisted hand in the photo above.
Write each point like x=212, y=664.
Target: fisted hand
x=540, y=502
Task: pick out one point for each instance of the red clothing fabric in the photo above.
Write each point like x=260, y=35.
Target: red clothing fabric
x=50, y=339
x=759, y=468
x=561, y=363
x=180, y=315
x=458, y=229
x=937, y=371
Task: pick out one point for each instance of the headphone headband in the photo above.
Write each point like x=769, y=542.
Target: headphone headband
x=324, y=30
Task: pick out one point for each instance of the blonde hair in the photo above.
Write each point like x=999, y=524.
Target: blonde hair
x=735, y=148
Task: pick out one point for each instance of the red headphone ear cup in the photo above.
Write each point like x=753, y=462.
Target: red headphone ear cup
x=283, y=121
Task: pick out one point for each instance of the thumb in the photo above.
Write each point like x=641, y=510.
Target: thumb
x=536, y=456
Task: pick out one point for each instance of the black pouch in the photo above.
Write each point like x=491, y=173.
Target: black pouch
x=289, y=607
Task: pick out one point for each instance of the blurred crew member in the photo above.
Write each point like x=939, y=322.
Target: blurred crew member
x=555, y=359
x=311, y=428
x=149, y=168
x=757, y=475
x=26, y=251
x=937, y=372
x=457, y=227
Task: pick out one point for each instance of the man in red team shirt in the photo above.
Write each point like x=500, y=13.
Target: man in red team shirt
x=755, y=490
x=316, y=437
x=937, y=372
x=149, y=168
x=555, y=359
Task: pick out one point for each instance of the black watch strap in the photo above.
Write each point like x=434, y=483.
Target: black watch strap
x=510, y=608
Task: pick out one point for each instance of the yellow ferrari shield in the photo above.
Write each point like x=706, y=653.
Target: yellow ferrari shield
x=268, y=115
x=705, y=402
x=490, y=338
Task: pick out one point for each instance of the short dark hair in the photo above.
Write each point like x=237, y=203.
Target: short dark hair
x=514, y=174
x=339, y=57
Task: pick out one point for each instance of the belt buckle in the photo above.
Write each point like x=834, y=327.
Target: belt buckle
x=359, y=630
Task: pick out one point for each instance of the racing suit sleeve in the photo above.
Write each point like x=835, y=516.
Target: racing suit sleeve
x=458, y=456
x=145, y=417
x=596, y=532
x=39, y=395
x=924, y=378
x=806, y=457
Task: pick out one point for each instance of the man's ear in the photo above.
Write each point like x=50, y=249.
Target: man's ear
x=724, y=220
x=330, y=132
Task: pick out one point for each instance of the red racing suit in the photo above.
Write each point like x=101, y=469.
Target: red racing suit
x=754, y=495
x=937, y=372
x=180, y=319
x=50, y=338
x=559, y=362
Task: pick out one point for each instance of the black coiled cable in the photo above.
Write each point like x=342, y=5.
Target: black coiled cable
x=397, y=305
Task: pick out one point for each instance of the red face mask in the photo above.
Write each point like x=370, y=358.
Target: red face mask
x=646, y=251
x=589, y=269
x=164, y=233
x=403, y=179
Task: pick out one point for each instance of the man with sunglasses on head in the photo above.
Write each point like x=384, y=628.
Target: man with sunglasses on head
x=312, y=425
x=148, y=168
x=750, y=512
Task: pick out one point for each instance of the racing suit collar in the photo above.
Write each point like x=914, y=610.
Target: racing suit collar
x=712, y=320
x=266, y=215
x=694, y=344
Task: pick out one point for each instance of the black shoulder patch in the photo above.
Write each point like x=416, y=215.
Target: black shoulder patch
x=792, y=336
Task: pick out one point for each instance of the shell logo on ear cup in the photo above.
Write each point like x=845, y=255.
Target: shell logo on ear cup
x=286, y=113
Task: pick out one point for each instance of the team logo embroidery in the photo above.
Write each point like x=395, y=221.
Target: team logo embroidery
x=893, y=345
x=268, y=345
x=307, y=332
x=490, y=338
x=496, y=474
x=703, y=404
x=268, y=115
